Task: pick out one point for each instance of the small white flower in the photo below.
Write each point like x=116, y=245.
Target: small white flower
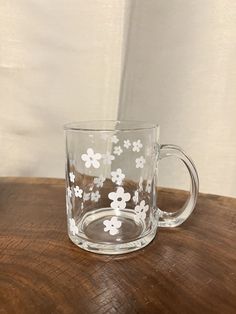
x=140, y=184
x=117, y=176
x=72, y=177
x=140, y=210
x=91, y=159
x=137, y=146
x=86, y=197
x=149, y=186
x=112, y=225
x=135, y=197
x=99, y=181
x=117, y=150
x=73, y=228
x=119, y=198
x=127, y=143
x=95, y=196
x=69, y=192
x=140, y=162
x=114, y=139
x=78, y=191
x=107, y=158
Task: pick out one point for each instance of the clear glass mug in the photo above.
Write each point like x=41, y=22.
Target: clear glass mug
x=111, y=178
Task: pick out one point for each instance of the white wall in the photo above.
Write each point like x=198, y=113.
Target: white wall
x=59, y=61
x=181, y=71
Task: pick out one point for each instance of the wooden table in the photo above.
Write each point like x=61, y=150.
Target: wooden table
x=190, y=269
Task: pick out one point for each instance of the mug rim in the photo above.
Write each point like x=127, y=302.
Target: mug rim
x=105, y=125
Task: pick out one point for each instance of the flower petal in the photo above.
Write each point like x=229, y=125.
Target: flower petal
x=118, y=224
x=112, y=195
x=121, y=204
x=114, y=220
x=120, y=192
x=113, y=231
x=84, y=157
x=90, y=152
x=137, y=209
x=143, y=215
x=88, y=163
x=97, y=156
x=96, y=163
x=107, y=223
x=127, y=196
x=113, y=205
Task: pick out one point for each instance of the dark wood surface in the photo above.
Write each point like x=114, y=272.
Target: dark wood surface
x=190, y=269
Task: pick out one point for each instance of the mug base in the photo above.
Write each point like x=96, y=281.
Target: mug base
x=106, y=231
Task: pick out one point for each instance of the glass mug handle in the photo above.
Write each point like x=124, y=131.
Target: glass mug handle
x=174, y=219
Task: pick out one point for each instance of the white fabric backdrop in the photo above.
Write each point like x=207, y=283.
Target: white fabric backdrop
x=62, y=61
x=59, y=61
x=181, y=71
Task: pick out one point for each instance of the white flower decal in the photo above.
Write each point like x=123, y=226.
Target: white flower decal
x=69, y=192
x=117, y=176
x=72, y=177
x=99, y=181
x=91, y=159
x=137, y=146
x=140, y=211
x=86, y=197
x=112, y=225
x=107, y=158
x=135, y=197
x=140, y=184
x=73, y=228
x=149, y=186
x=95, y=196
x=119, y=198
x=78, y=191
x=127, y=143
x=117, y=150
x=114, y=139
x=140, y=162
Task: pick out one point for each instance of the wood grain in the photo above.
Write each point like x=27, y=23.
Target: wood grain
x=190, y=269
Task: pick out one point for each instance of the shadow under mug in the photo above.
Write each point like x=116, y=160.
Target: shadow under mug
x=111, y=177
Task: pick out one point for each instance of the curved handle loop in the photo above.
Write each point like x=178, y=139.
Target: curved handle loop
x=177, y=218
